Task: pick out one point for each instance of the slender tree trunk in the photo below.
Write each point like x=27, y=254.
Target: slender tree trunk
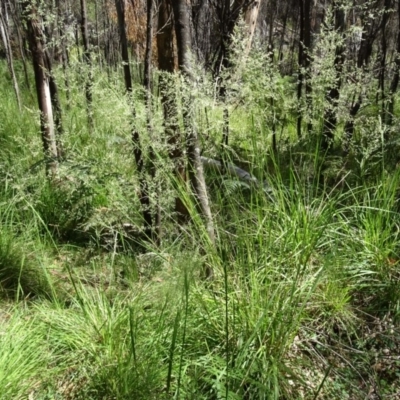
x=301, y=64
x=88, y=60
x=166, y=63
x=36, y=46
x=147, y=83
x=137, y=149
x=96, y=13
x=63, y=50
x=304, y=60
x=106, y=39
x=250, y=17
x=396, y=74
x=363, y=57
x=282, y=40
x=383, y=52
x=148, y=52
x=120, y=7
x=14, y=7
x=5, y=37
x=196, y=173
x=270, y=19
x=56, y=106
x=228, y=16
x=332, y=97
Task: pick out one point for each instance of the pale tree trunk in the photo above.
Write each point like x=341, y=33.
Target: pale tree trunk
x=5, y=37
x=196, y=173
x=42, y=80
x=250, y=17
x=166, y=63
x=56, y=106
x=137, y=149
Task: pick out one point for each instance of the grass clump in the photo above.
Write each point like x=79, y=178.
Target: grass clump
x=304, y=302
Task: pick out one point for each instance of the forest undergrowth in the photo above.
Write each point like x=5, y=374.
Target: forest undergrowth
x=305, y=298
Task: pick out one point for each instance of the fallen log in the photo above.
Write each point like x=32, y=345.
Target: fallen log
x=235, y=171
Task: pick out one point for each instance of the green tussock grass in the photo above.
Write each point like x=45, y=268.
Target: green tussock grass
x=304, y=303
